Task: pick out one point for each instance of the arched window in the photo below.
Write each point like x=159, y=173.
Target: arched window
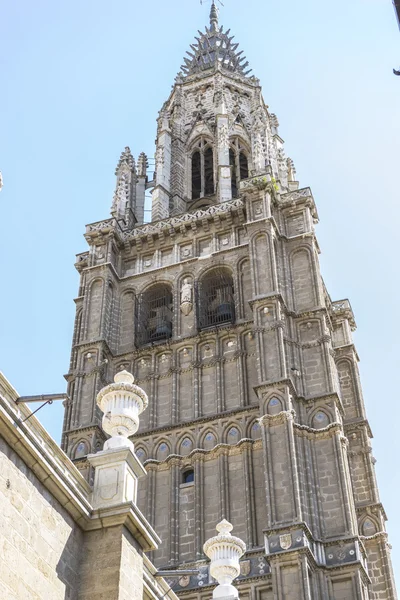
x=202, y=170
x=196, y=175
x=239, y=165
x=216, y=304
x=188, y=476
x=232, y=163
x=154, y=318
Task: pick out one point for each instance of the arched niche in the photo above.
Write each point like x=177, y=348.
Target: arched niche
x=233, y=435
x=163, y=450
x=209, y=440
x=81, y=449
x=368, y=527
x=274, y=406
x=155, y=314
x=303, y=279
x=141, y=454
x=95, y=308
x=186, y=446
x=255, y=431
x=263, y=279
x=216, y=301
x=320, y=419
x=126, y=323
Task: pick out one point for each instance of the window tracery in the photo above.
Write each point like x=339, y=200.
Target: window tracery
x=202, y=169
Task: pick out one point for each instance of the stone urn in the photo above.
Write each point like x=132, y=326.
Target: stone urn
x=121, y=402
x=224, y=550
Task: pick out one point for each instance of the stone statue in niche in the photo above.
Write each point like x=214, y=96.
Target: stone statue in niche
x=186, y=297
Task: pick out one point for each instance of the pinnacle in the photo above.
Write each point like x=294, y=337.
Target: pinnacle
x=213, y=17
x=126, y=158
x=142, y=164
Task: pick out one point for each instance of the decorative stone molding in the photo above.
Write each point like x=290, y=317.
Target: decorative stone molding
x=278, y=419
x=328, y=431
x=215, y=452
x=224, y=550
x=121, y=402
x=261, y=182
x=185, y=219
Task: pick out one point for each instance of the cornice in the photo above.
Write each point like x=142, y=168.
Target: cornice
x=216, y=417
x=185, y=219
x=373, y=508
x=356, y=425
x=239, y=326
x=42, y=455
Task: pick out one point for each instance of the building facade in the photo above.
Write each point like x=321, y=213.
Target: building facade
x=218, y=308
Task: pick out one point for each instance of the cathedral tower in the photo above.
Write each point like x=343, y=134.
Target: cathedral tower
x=219, y=309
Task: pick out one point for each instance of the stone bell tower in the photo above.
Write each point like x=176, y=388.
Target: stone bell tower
x=218, y=308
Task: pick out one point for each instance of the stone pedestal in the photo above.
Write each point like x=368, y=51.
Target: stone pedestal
x=116, y=475
x=117, y=534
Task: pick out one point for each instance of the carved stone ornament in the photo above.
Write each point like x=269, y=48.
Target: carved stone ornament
x=186, y=297
x=224, y=550
x=245, y=567
x=223, y=136
x=285, y=541
x=121, y=402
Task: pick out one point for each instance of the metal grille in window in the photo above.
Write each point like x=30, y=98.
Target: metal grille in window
x=216, y=305
x=154, y=315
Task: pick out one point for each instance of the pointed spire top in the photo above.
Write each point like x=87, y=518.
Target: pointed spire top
x=214, y=49
x=213, y=17
x=126, y=158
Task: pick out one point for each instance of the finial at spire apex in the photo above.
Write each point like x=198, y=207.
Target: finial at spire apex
x=213, y=17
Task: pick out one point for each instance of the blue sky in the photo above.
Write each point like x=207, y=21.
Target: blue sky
x=81, y=80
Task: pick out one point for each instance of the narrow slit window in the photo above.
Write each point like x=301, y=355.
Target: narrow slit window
x=196, y=175
x=232, y=163
x=244, y=166
x=208, y=172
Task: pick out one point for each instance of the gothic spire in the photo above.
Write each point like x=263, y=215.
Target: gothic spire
x=214, y=47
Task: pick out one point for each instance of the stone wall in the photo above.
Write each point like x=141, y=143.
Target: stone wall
x=40, y=543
